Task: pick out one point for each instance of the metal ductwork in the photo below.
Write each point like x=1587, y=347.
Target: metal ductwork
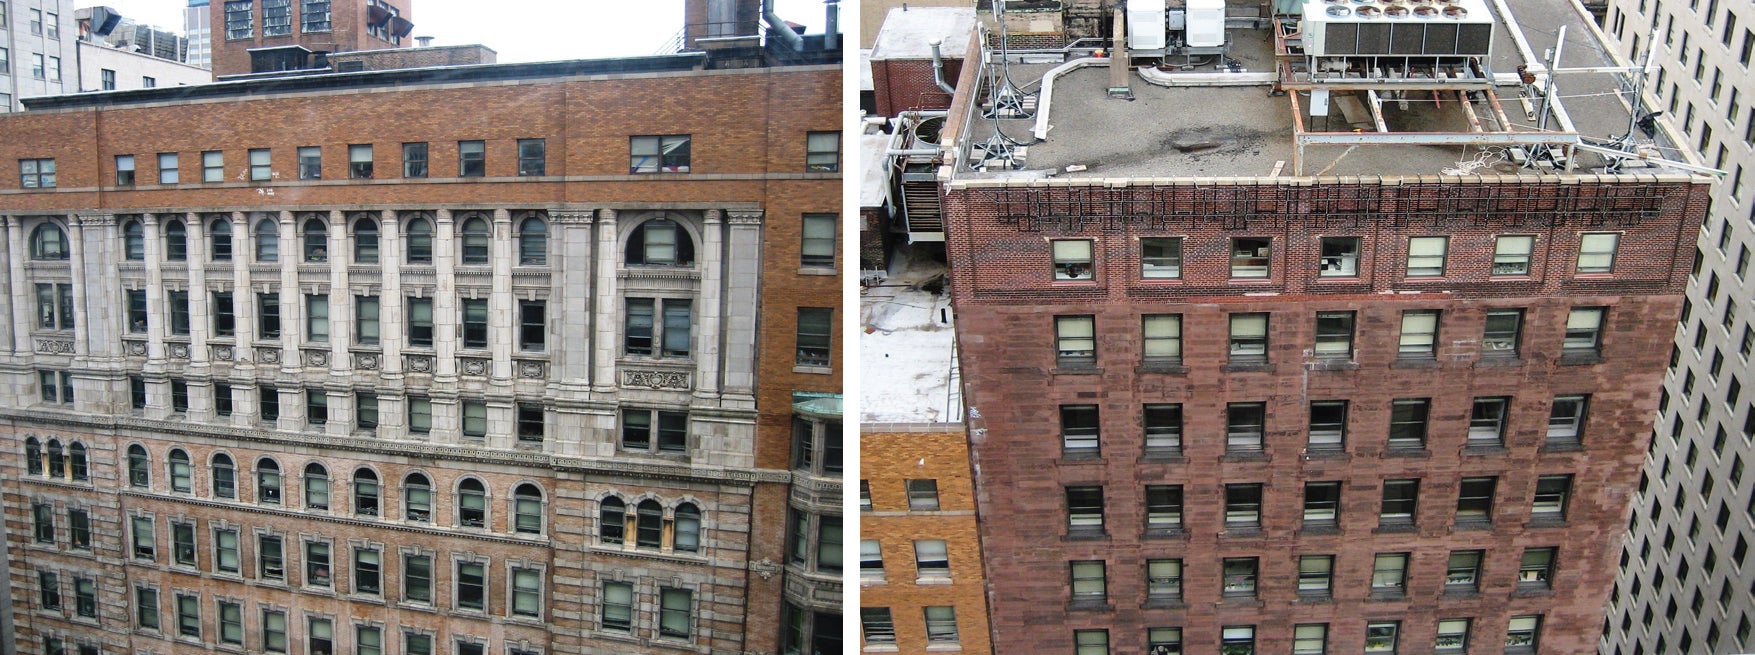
x=831, y=23
x=938, y=68
x=778, y=27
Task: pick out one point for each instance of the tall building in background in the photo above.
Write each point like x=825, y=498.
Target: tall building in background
x=198, y=28
x=255, y=36
x=38, y=55
x=511, y=361
x=1358, y=358
x=1685, y=574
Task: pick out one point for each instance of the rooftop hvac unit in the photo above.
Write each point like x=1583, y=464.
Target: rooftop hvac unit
x=1397, y=28
x=1206, y=23
x=1145, y=24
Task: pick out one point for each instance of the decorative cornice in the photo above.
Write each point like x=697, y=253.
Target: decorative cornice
x=744, y=216
x=585, y=217
x=339, y=520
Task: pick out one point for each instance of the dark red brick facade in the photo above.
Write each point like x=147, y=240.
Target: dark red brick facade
x=1007, y=299
x=907, y=84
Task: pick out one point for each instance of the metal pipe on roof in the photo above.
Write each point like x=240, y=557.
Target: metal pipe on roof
x=938, y=68
x=831, y=23
x=778, y=27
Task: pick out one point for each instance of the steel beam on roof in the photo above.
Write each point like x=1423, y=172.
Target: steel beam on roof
x=1435, y=138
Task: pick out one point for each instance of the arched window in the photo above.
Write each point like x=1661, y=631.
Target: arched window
x=219, y=235
x=471, y=504
x=57, y=460
x=48, y=242
x=267, y=481
x=134, y=241
x=316, y=240
x=533, y=242
x=316, y=486
x=420, y=241
x=527, y=509
x=33, y=456
x=612, y=520
x=475, y=241
x=267, y=241
x=225, y=477
x=176, y=241
x=688, y=528
x=78, y=467
x=649, y=526
x=661, y=242
x=139, y=467
x=365, y=241
x=182, y=475
x=365, y=492
x=417, y=498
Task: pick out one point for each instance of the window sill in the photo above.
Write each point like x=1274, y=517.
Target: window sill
x=1423, y=363
x=1460, y=594
x=1562, y=447
x=1482, y=449
x=1075, y=369
x=1535, y=522
x=1166, y=368
x=944, y=648
x=1498, y=361
x=1085, y=536
x=1245, y=456
x=1387, y=596
x=1315, y=599
x=873, y=582
x=1081, y=457
x=1580, y=359
x=1242, y=532
x=1319, y=529
x=1532, y=591
x=1097, y=605
x=1165, y=457
x=1473, y=525
x=814, y=370
x=1248, y=367
x=932, y=581
x=1395, y=528
x=1164, y=604
x=811, y=270
x=1406, y=453
x=880, y=648
x=1336, y=364
x=1338, y=454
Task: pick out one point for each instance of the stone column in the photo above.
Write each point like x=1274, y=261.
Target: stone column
x=81, y=317
x=200, y=323
x=104, y=337
x=391, y=404
x=444, y=303
x=744, y=277
x=570, y=339
x=609, y=304
x=244, y=313
x=502, y=307
x=157, y=319
x=291, y=304
x=341, y=327
x=22, y=316
x=708, y=337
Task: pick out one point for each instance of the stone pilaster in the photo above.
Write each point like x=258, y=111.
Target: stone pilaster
x=608, y=345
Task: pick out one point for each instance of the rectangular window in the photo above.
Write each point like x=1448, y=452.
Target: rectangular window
x=224, y=318
x=526, y=592
x=618, y=607
x=189, y=616
x=261, y=166
x=532, y=325
x=124, y=163
x=225, y=551
x=871, y=560
x=420, y=322
x=321, y=636
x=420, y=415
x=310, y=163
x=1238, y=575
x=1511, y=255
x=675, y=612
x=941, y=626
x=417, y=578
x=276, y=17
x=366, y=320
x=1407, y=423
x=1584, y=331
x=359, y=160
x=1084, y=510
x=471, y=158
x=475, y=322
x=1251, y=257
x=1453, y=636
x=183, y=543
x=1340, y=257
x=365, y=411
x=1334, y=335
x=1163, y=509
x=1487, y=421
x=268, y=315
x=1249, y=338
x=532, y=157
x=822, y=152
x=1072, y=259
x=1596, y=252
x=1079, y=430
x=1550, y=498
x=79, y=529
x=316, y=15
x=1322, y=504
x=367, y=571
x=146, y=608
x=1091, y=642
x=414, y=160
x=317, y=571
x=1245, y=425
x=1164, y=580
x=531, y=424
x=270, y=558
x=1536, y=569
x=645, y=336
x=213, y=166
x=814, y=330
x=1090, y=583
x=1163, y=339
x=317, y=318
x=1463, y=571
x=268, y=399
x=658, y=154
x=1328, y=425
x=923, y=496
x=931, y=559
x=167, y=168
x=1566, y=418
x=1242, y=506
x=1426, y=256
x=1316, y=576
x=1075, y=338
x=1161, y=258
x=1500, y=336
x=1401, y=500
x=1310, y=639
x=877, y=626
x=1163, y=427
x=231, y=623
x=1474, y=501
x=1522, y=633
x=36, y=173
x=1380, y=636
x=817, y=249
x=474, y=419
x=1389, y=574
x=44, y=522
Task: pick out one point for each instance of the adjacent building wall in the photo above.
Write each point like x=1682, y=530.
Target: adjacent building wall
x=26, y=36
x=132, y=70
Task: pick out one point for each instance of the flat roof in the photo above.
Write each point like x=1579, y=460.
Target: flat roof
x=1215, y=122
x=908, y=32
x=908, y=355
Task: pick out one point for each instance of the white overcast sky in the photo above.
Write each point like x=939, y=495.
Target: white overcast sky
x=527, y=30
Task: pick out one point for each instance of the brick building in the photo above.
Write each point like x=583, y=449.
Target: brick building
x=418, y=361
x=1254, y=372
x=901, y=58
x=253, y=36
x=921, y=587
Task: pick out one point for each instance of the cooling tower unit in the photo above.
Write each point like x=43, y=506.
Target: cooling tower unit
x=1397, y=28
